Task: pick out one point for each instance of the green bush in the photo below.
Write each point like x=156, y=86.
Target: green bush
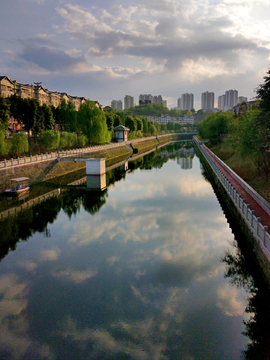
x=63, y=140
x=81, y=140
x=49, y=140
x=132, y=135
x=72, y=140
x=3, y=144
x=139, y=134
x=19, y=144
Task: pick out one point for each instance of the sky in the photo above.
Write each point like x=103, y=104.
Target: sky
x=104, y=50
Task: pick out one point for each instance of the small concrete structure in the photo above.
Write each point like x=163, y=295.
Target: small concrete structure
x=121, y=133
x=96, y=182
x=95, y=173
x=94, y=166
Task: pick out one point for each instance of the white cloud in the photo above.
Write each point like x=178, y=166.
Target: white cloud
x=50, y=255
x=229, y=300
x=75, y=275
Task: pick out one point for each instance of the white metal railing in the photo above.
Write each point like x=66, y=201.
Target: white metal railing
x=259, y=231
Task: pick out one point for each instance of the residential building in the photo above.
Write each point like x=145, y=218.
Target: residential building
x=156, y=99
x=207, y=101
x=231, y=97
x=117, y=105
x=241, y=99
x=10, y=87
x=145, y=97
x=186, y=102
x=165, y=119
x=128, y=101
x=221, y=102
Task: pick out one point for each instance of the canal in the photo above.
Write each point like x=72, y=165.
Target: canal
x=148, y=269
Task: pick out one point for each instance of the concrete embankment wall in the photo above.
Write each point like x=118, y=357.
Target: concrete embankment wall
x=47, y=166
x=256, y=235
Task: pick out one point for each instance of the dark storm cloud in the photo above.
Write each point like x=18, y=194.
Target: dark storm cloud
x=49, y=59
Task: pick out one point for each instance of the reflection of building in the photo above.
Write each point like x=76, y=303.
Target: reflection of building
x=185, y=162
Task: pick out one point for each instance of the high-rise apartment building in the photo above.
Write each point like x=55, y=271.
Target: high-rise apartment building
x=147, y=97
x=207, y=101
x=221, y=102
x=241, y=99
x=231, y=98
x=228, y=101
x=128, y=101
x=117, y=105
x=156, y=99
x=186, y=102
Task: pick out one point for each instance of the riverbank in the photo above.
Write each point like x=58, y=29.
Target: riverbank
x=244, y=167
x=248, y=209
x=47, y=170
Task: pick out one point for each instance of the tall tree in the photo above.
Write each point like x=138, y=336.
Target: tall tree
x=4, y=113
x=92, y=122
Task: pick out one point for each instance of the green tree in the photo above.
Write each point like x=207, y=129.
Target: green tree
x=63, y=110
x=171, y=125
x=152, y=129
x=3, y=144
x=139, y=123
x=4, y=114
x=48, y=117
x=110, y=120
x=145, y=125
x=49, y=140
x=215, y=125
x=263, y=93
x=131, y=123
x=19, y=144
x=92, y=122
x=178, y=127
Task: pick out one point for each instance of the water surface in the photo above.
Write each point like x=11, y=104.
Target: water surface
x=139, y=271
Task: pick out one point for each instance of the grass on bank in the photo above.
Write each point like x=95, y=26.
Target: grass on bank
x=228, y=152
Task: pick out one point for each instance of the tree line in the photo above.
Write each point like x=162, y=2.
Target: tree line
x=248, y=131
x=65, y=127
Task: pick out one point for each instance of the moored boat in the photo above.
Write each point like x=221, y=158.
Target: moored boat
x=17, y=186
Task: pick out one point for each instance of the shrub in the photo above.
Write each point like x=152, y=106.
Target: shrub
x=3, y=144
x=19, y=144
x=81, y=140
x=49, y=140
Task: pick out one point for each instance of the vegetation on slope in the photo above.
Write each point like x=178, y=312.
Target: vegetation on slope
x=243, y=140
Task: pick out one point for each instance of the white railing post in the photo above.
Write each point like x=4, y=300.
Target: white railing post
x=258, y=224
x=264, y=234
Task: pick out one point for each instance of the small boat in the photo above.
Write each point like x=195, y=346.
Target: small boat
x=17, y=186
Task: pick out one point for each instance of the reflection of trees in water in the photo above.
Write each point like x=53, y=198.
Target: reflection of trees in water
x=241, y=272
x=26, y=223
x=37, y=218
x=154, y=160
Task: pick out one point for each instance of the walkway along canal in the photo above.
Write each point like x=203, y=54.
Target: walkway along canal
x=250, y=210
